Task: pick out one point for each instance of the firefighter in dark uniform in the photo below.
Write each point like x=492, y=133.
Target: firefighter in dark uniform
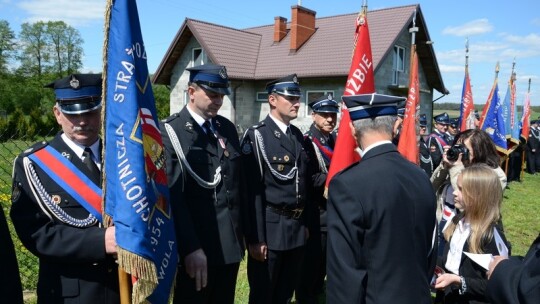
x=439, y=138
x=426, y=163
x=279, y=168
x=204, y=171
x=453, y=130
x=533, y=148
x=53, y=218
x=381, y=224
x=323, y=139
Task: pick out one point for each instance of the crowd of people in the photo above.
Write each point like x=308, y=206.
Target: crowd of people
x=388, y=231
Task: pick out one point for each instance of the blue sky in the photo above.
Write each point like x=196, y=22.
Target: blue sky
x=497, y=31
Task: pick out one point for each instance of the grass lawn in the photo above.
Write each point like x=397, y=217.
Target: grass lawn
x=521, y=211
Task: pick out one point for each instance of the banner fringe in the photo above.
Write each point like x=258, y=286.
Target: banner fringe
x=143, y=269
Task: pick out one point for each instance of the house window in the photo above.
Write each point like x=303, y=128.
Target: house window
x=398, y=66
x=262, y=96
x=315, y=95
x=198, y=57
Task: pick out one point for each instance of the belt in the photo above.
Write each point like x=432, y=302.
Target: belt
x=292, y=213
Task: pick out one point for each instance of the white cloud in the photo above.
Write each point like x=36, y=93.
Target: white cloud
x=475, y=27
x=73, y=12
x=530, y=40
x=452, y=68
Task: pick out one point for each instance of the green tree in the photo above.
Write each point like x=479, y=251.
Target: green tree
x=34, y=55
x=50, y=48
x=162, y=97
x=66, y=48
x=7, y=45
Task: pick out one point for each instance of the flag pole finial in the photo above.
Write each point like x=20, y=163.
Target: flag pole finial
x=513, y=77
x=414, y=29
x=467, y=52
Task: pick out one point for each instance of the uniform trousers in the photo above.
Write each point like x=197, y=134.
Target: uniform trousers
x=219, y=290
x=273, y=281
x=311, y=282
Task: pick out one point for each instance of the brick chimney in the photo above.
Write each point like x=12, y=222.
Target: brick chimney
x=280, y=28
x=302, y=26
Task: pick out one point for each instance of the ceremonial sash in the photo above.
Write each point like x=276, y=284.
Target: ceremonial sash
x=70, y=178
x=439, y=139
x=326, y=151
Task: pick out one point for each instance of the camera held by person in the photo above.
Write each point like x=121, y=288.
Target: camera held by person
x=452, y=154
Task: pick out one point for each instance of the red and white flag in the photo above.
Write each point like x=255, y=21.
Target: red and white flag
x=408, y=142
x=359, y=81
x=467, y=105
x=526, y=125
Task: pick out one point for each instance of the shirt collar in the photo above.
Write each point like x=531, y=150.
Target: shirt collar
x=198, y=118
x=382, y=142
x=79, y=149
x=282, y=126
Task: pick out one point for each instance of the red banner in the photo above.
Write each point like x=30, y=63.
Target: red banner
x=408, y=142
x=360, y=81
x=526, y=125
x=467, y=105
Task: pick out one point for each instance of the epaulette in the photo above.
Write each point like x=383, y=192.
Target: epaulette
x=172, y=117
x=260, y=124
x=35, y=147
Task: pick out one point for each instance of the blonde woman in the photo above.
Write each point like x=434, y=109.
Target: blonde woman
x=478, y=196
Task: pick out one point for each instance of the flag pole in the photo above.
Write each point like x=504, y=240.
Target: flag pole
x=486, y=106
x=124, y=279
x=408, y=141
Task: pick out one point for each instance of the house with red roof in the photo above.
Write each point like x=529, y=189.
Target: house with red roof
x=318, y=50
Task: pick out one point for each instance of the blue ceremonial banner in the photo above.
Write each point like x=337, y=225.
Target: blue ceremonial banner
x=507, y=113
x=136, y=191
x=492, y=120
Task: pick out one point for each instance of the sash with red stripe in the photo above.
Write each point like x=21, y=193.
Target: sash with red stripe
x=439, y=139
x=70, y=178
x=326, y=151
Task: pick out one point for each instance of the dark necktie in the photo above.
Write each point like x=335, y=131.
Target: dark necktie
x=291, y=137
x=209, y=132
x=89, y=162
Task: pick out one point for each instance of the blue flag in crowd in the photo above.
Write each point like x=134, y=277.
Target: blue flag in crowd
x=136, y=192
x=493, y=121
x=506, y=110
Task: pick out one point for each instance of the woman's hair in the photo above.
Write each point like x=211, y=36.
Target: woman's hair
x=482, y=197
x=484, y=149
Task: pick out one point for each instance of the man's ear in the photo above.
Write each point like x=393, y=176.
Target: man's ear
x=272, y=100
x=57, y=113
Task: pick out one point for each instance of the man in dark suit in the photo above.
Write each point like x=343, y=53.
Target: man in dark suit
x=453, y=129
x=54, y=218
x=311, y=282
x=531, y=148
x=426, y=163
x=515, y=280
x=381, y=216
x=204, y=171
x=439, y=138
x=279, y=172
